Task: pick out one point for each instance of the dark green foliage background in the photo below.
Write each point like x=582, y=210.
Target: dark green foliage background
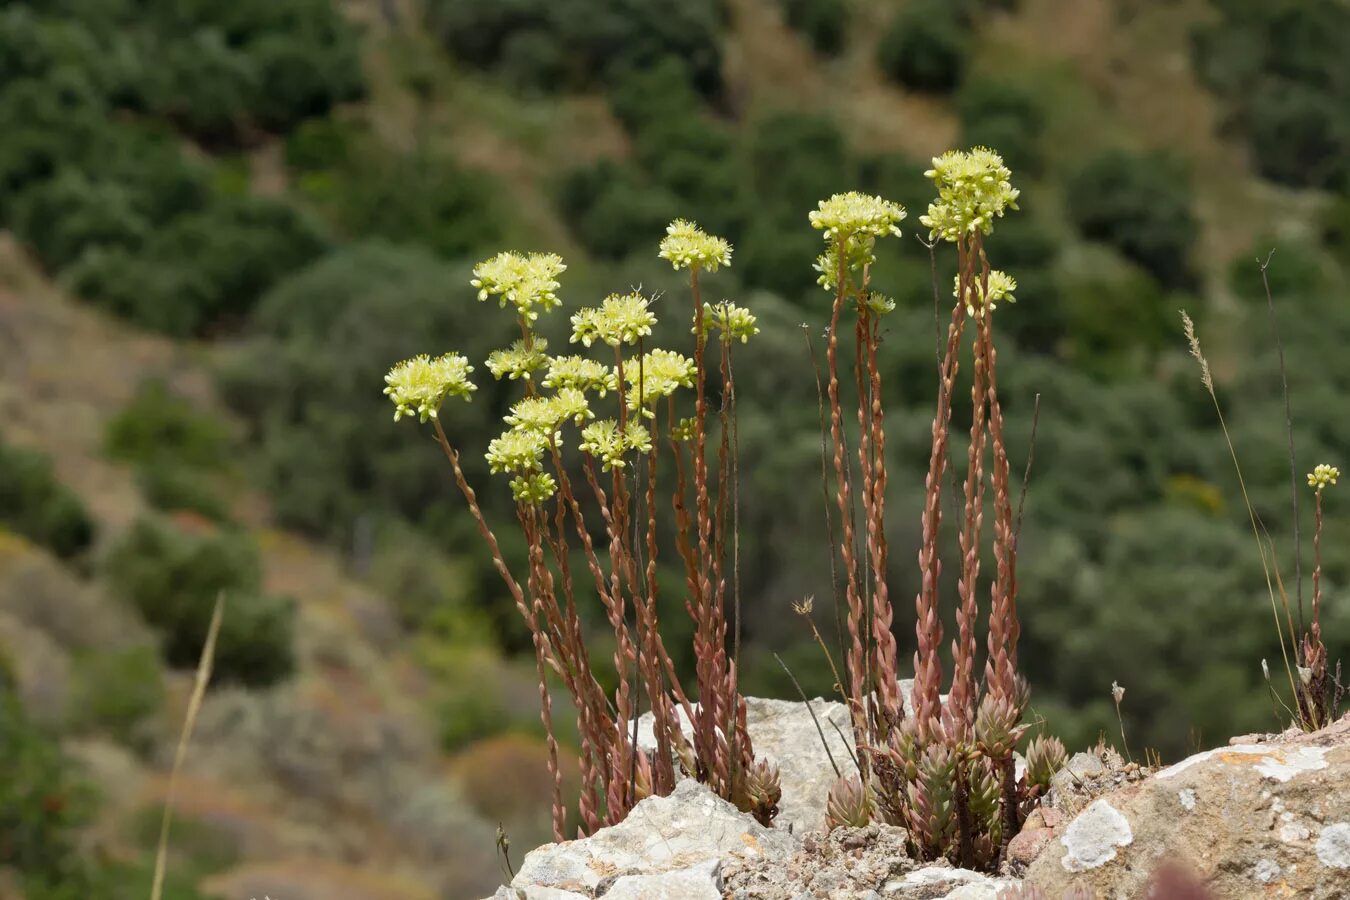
x=133, y=132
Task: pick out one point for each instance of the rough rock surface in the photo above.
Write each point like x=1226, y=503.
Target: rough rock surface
x=1266, y=819
x=784, y=732
x=868, y=863
x=694, y=846
x=661, y=835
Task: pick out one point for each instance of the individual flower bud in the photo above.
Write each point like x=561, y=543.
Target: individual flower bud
x=848, y=804
x=1117, y=692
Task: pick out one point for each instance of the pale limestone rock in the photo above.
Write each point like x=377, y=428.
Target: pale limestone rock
x=1270, y=818
x=660, y=834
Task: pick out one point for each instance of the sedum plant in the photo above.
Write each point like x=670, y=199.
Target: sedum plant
x=947, y=772
x=582, y=443
x=585, y=439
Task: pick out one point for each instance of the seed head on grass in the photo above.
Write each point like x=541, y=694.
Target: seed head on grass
x=1196, y=352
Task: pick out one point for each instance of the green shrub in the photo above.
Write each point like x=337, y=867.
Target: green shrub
x=176, y=488
x=995, y=113
x=230, y=254
x=173, y=578
x=613, y=211
x=592, y=41
x=823, y=22
x=42, y=808
x=115, y=691
x=1282, y=70
x=409, y=199
x=1141, y=205
x=927, y=46
x=63, y=217
x=330, y=450
x=1300, y=135
x=319, y=145
x=34, y=504
x=1295, y=271
x=157, y=426
x=47, y=124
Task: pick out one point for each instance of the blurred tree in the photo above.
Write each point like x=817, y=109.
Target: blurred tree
x=1141, y=205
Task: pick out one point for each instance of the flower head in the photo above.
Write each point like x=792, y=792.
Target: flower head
x=687, y=246
x=421, y=384
x=608, y=443
x=974, y=188
x=517, y=451
x=858, y=253
x=1001, y=287
x=517, y=361
x=1322, y=476
x=734, y=322
x=526, y=282
x=620, y=319
x=580, y=373
x=661, y=373
x=546, y=415
x=533, y=489
x=856, y=213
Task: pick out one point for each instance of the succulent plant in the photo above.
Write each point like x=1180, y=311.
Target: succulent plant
x=932, y=801
x=848, y=804
x=763, y=790
x=985, y=791
x=996, y=727
x=1045, y=756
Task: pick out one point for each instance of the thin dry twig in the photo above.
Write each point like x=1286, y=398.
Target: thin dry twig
x=204, y=664
x=1289, y=430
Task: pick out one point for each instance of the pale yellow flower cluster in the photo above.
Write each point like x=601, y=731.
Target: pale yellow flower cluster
x=687, y=246
x=974, y=188
x=419, y=386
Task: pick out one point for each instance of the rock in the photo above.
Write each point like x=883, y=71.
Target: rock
x=660, y=835
x=536, y=893
x=700, y=882
x=784, y=732
x=946, y=883
x=1268, y=818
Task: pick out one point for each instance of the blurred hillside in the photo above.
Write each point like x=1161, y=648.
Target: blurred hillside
x=225, y=221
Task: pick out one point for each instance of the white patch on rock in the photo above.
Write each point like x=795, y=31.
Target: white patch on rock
x=1291, y=832
x=1284, y=765
x=1266, y=870
x=1092, y=838
x=1277, y=765
x=1333, y=846
x=1187, y=798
